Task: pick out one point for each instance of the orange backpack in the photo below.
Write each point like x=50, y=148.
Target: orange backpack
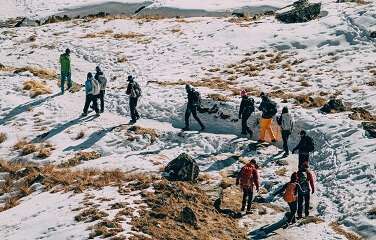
x=289, y=195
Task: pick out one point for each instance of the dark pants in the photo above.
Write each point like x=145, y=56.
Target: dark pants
x=303, y=199
x=133, y=108
x=101, y=99
x=303, y=158
x=245, y=128
x=193, y=110
x=247, y=198
x=65, y=77
x=90, y=98
x=291, y=216
x=285, y=138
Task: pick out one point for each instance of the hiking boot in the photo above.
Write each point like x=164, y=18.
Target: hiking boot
x=186, y=129
x=132, y=121
x=97, y=114
x=102, y=111
x=285, y=154
x=83, y=114
x=299, y=217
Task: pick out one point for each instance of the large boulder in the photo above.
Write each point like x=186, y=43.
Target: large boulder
x=188, y=216
x=300, y=11
x=182, y=168
x=333, y=106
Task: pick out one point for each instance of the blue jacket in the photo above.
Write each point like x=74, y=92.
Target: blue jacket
x=88, y=87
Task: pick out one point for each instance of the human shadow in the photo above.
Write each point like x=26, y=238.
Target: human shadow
x=221, y=164
x=24, y=107
x=274, y=157
x=267, y=230
x=60, y=128
x=92, y=139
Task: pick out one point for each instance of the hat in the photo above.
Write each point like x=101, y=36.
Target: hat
x=130, y=78
x=67, y=51
x=243, y=93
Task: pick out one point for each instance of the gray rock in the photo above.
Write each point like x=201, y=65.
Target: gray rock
x=4, y=175
x=182, y=168
x=302, y=11
x=370, y=128
x=188, y=216
x=333, y=106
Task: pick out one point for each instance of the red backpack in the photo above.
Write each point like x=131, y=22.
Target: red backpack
x=289, y=195
x=246, y=179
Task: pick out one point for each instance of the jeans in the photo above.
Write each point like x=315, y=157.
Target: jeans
x=101, y=99
x=266, y=126
x=291, y=216
x=303, y=158
x=285, y=138
x=245, y=128
x=132, y=106
x=192, y=110
x=65, y=77
x=303, y=198
x=90, y=98
x=247, y=198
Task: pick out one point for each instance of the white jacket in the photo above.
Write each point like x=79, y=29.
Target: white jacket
x=287, y=122
x=96, y=87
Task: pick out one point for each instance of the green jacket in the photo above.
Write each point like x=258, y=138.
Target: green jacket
x=65, y=63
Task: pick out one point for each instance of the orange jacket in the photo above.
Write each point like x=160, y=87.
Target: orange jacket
x=248, y=177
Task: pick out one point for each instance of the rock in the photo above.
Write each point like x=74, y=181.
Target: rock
x=23, y=172
x=2, y=66
x=361, y=114
x=282, y=162
x=37, y=179
x=333, y=106
x=182, y=168
x=259, y=199
x=302, y=11
x=4, y=175
x=370, y=128
x=37, y=186
x=226, y=211
x=158, y=215
x=188, y=216
x=373, y=34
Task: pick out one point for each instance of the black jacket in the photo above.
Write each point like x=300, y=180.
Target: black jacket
x=268, y=108
x=246, y=106
x=305, y=145
x=193, y=98
x=133, y=90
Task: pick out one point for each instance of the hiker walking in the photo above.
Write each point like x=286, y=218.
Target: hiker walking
x=269, y=110
x=248, y=178
x=307, y=187
x=287, y=124
x=290, y=195
x=247, y=107
x=194, y=101
x=65, y=70
x=92, y=89
x=99, y=76
x=134, y=93
x=304, y=147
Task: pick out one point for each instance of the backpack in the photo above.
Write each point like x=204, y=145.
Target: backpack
x=289, y=194
x=196, y=97
x=303, y=181
x=96, y=87
x=103, y=81
x=249, y=105
x=272, y=108
x=246, y=179
x=136, y=90
x=309, y=146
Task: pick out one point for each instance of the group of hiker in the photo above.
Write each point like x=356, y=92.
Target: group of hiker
x=296, y=192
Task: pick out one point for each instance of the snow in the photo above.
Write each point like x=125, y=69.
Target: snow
x=337, y=51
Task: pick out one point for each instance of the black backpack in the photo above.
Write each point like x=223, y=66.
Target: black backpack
x=303, y=181
x=196, y=97
x=272, y=108
x=309, y=145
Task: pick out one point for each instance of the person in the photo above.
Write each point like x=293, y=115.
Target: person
x=92, y=88
x=248, y=178
x=304, y=147
x=307, y=187
x=134, y=93
x=194, y=101
x=287, y=124
x=65, y=70
x=247, y=107
x=99, y=75
x=269, y=110
x=290, y=195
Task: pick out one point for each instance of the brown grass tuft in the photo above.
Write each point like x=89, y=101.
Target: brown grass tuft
x=36, y=88
x=38, y=72
x=9, y=203
x=281, y=171
x=152, y=133
x=339, y=230
x=80, y=135
x=218, y=97
x=106, y=228
x=90, y=215
x=128, y=35
x=3, y=137
x=79, y=158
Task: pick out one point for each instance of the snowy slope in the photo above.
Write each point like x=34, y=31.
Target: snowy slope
x=337, y=54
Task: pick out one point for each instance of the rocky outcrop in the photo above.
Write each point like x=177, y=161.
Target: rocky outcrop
x=302, y=11
x=182, y=168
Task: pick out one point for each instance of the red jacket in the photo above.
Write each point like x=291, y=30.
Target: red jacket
x=248, y=177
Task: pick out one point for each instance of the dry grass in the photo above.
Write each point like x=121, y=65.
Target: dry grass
x=218, y=97
x=339, y=230
x=79, y=158
x=10, y=203
x=361, y=114
x=36, y=88
x=311, y=219
x=90, y=215
x=213, y=83
x=152, y=133
x=3, y=137
x=47, y=74
x=163, y=221
x=128, y=35
x=44, y=152
x=122, y=59
x=281, y=171
x=106, y=228
x=98, y=34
